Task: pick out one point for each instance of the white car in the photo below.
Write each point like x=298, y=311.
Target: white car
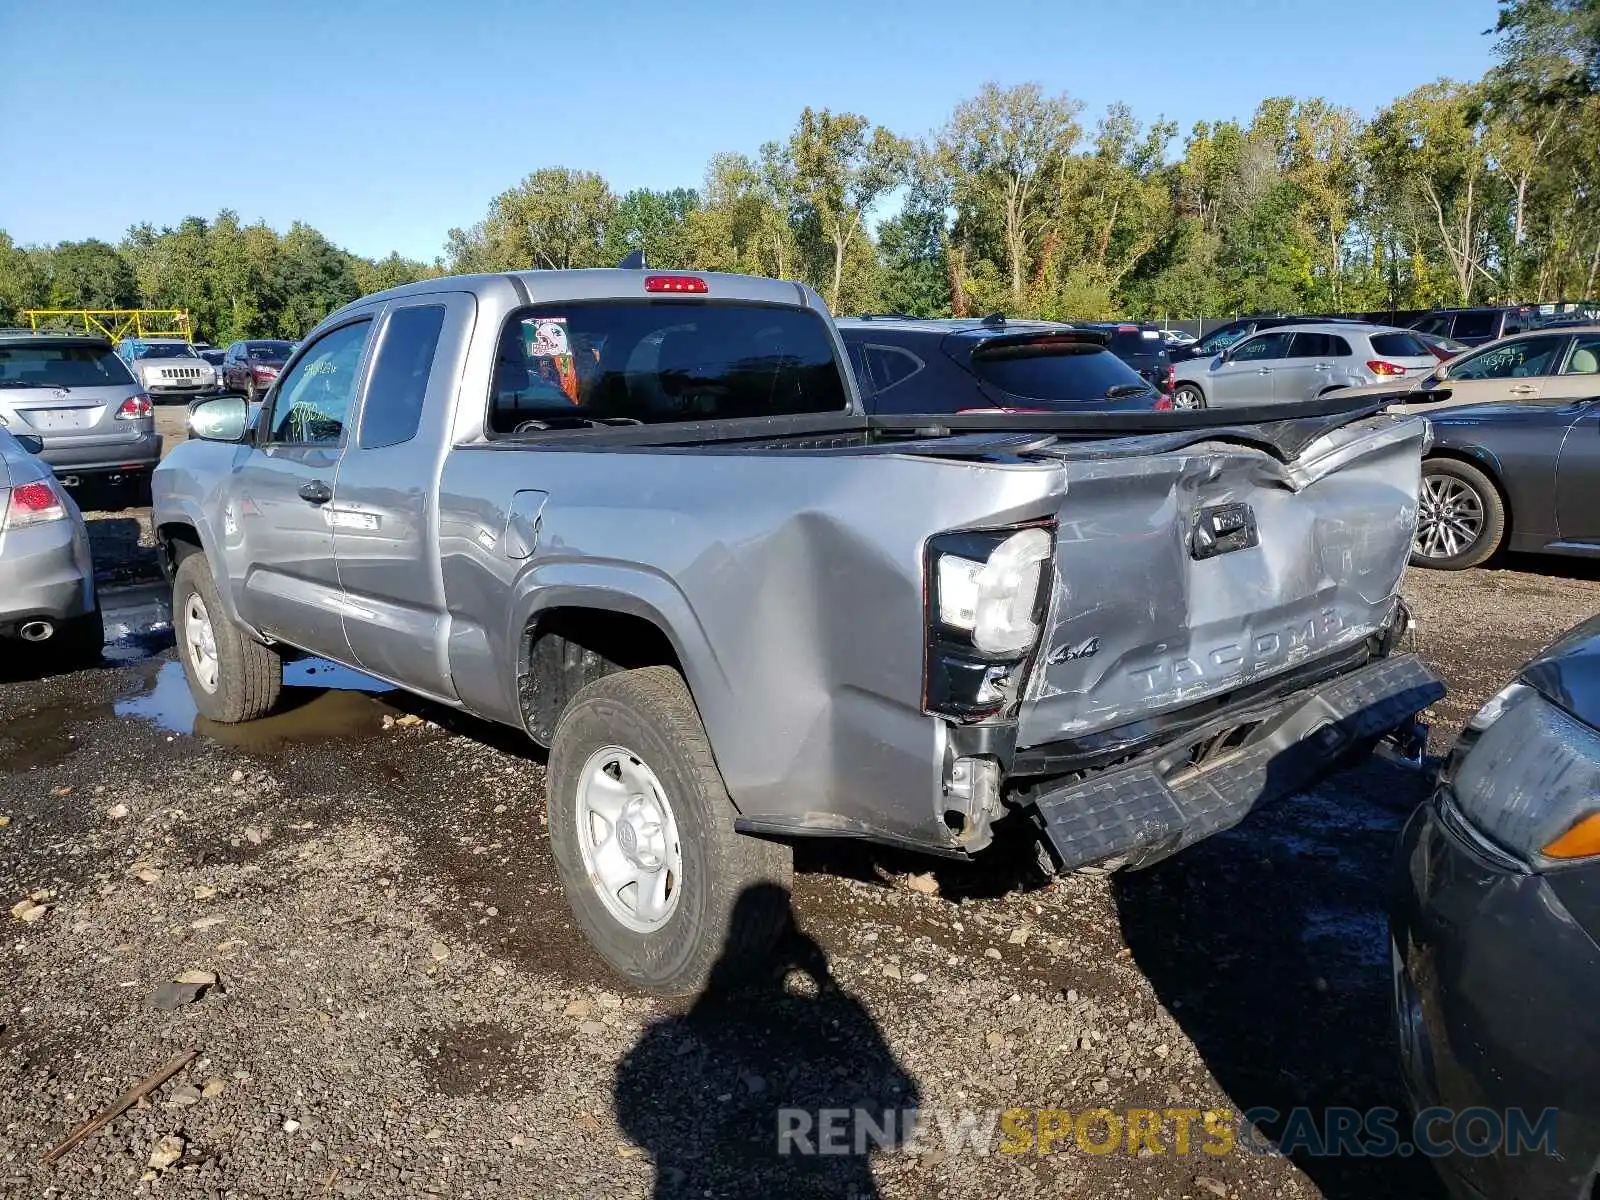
x=169, y=368
x=1177, y=337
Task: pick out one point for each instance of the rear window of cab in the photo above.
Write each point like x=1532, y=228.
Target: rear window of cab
x=646, y=362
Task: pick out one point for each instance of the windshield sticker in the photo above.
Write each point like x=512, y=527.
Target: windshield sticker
x=549, y=352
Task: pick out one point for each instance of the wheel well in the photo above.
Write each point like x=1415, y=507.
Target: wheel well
x=175, y=542
x=566, y=649
x=1479, y=465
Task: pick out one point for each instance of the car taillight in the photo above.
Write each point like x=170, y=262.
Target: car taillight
x=1378, y=367
x=264, y=373
x=1172, y=377
x=675, y=283
x=1164, y=404
x=33, y=504
x=134, y=408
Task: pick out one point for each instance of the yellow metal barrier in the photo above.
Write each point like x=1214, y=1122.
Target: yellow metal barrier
x=114, y=323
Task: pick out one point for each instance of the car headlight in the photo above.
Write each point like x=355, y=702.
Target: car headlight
x=987, y=596
x=1529, y=778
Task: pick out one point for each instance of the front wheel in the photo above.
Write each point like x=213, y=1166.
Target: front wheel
x=1188, y=398
x=642, y=828
x=1461, y=518
x=232, y=677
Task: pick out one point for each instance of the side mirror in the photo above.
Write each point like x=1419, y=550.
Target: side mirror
x=1440, y=374
x=31, y=442
x=220, y=419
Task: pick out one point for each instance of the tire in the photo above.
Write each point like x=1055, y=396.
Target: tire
x=250, y=392
x=80, y=641
x=243, y=679
x=727, y=902
x=1461, y=516
x=1188, y=398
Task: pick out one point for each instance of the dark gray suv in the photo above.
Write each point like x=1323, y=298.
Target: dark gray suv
x=75, y=395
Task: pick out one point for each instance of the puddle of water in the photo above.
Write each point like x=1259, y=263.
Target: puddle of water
x=44, y=738
x=349, y=708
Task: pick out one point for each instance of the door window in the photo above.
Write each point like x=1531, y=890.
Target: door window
x=1216, y=343
x=399, y=383
x=858, y=365
x=1439, y=326
x=1319, y=345
x=313, y=399
x=1585, y=357
x=1260, y=349
x=1476, y=324
x=1511, y=360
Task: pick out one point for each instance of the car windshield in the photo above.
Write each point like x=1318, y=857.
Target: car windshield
x=61, y=366
x=163, y=350
x=647, y=362
x=1054, y=370
x=269, y=351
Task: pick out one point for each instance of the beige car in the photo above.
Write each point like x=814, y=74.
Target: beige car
x=1550, y=364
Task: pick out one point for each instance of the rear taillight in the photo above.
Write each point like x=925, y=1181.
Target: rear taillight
x=1378, y=367
x=264, y=374
x=1172, y=377
x=134, y=408
x=1164, y=404
x=675, y=283
x=34, y=504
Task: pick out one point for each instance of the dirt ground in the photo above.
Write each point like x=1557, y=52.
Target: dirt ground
x=403, y=1006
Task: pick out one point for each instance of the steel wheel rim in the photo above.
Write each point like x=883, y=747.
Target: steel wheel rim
x=628, y=837
x=200, y=642
x=1450, y=517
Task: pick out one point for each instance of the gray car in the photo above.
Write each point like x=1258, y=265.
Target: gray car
x=47, y=592
x=643, y=518
x=1300, y=362
x=69, y=390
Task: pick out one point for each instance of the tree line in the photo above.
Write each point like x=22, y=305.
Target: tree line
x=1455, y=193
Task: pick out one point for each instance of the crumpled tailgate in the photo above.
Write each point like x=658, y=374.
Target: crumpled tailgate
x=1186, y=574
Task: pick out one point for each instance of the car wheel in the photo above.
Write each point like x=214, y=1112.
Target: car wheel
x=250, y=392
x=1461, y=516
x=1188, y=398
x=80, y=640
x=232, y=677
x=642, y=829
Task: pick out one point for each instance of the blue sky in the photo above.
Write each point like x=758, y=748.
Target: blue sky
x=384, y=124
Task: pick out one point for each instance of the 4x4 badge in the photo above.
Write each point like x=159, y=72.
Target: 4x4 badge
x=1064, y=654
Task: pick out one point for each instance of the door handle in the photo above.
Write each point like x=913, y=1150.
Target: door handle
x=1323, y=367
x=316, y=492
x=1263, y=370
x=1521, y=389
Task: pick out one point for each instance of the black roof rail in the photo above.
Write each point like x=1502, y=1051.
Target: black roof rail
x=994, y=318
x=886, y=316
x=633, y=260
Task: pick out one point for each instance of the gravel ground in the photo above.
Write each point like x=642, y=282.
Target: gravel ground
x=403, y=1007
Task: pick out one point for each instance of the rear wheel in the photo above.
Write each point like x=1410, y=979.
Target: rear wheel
x=642, y=828
x=1188, y=398
x=1461, y=517
x=232, y=677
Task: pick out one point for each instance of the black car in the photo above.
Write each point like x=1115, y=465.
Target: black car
x=909, y=365
x=1475, y=326
x=1519, y=475
x=1494, y=925
x=1144, y=349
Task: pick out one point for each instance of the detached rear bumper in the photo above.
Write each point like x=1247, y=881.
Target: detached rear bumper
x=1211, y=777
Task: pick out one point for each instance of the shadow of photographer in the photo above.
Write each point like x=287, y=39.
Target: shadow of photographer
x=733, y=1097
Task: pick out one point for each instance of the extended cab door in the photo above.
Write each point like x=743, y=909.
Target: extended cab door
x=385, y=538
x=278, y=516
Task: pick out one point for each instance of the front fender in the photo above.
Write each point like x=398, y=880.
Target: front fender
x=174, y=510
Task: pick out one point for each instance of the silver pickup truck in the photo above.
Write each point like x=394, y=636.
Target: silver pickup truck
x=642, y=517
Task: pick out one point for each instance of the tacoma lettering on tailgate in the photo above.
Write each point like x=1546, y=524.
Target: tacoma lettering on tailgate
x=1263, y=651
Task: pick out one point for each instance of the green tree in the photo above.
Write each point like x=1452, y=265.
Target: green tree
x=24, y=279
x=655, y=222
x=555, y=218
x=90, y=274
x=840, y=165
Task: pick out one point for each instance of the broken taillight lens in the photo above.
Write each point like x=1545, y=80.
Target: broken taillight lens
x=33, y=504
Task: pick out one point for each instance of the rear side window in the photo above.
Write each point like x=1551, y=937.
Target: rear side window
x=1319, y=345
x=400, y=373
x=890, y=365
x=1476, y=325
x=651, y=362
x=1399, y=345
x=61, y=366
x=1057, y=371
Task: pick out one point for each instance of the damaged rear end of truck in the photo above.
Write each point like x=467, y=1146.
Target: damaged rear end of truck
x=1207, y=620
